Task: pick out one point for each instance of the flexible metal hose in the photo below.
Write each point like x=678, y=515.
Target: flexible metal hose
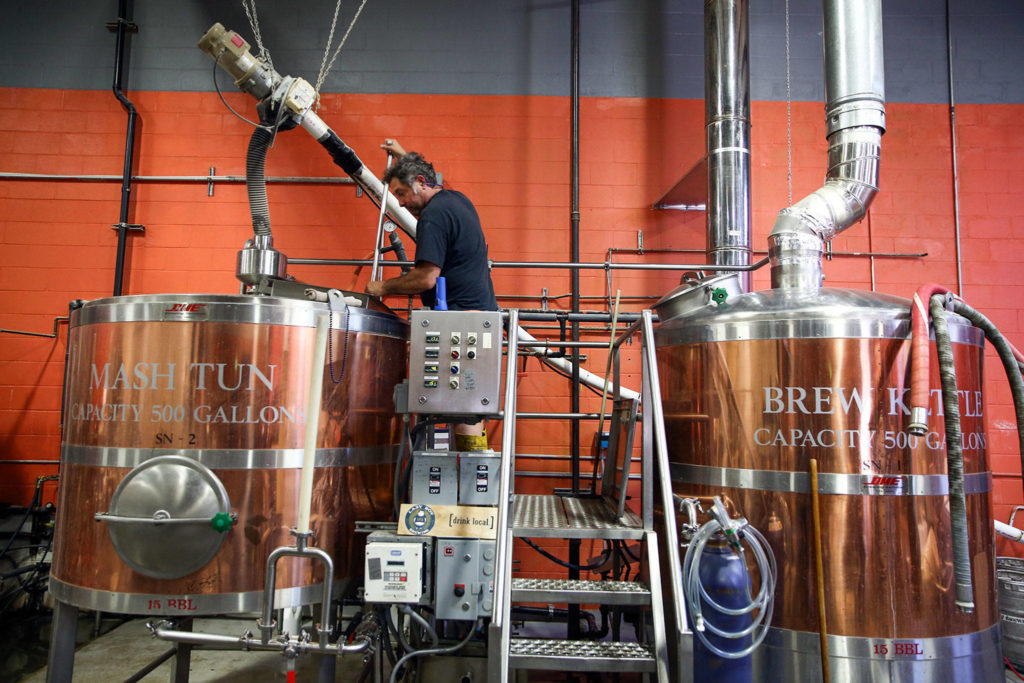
x=256, y=181
x=434, y=651
x=954, y=457
x=1006, y=355
x=694, y=591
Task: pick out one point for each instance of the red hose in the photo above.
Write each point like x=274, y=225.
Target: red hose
x=291, y=676
x=920, y=380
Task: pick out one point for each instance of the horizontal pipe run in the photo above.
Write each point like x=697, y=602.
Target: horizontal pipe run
x=575, y=317
x=636, y=476
x=312, y=180
x=247, y=642
x=562, y=265
x=561, y=416
x=54, y=463
x=555, y=343
x=875, y=254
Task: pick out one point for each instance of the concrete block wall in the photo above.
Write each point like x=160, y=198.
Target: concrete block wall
x=504, y=141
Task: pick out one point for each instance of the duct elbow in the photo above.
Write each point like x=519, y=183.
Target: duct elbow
x=797, y=239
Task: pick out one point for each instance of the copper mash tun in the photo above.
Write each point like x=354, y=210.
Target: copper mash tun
x=754, y=385
x=183, y=444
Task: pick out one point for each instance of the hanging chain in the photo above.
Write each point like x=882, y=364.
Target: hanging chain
x=789, y=118
x=330, y=345
x=330, y=38
x=254, y=23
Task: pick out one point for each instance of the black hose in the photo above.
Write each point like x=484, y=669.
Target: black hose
x=601, y=560
x=1005, y=351
x=954, y=457
x=256, y=180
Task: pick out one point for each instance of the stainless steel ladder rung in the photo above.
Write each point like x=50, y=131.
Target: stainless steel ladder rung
x=580, y=655
x=579, y=591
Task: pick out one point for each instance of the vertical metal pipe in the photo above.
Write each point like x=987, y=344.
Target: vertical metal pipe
x=855, y=122
x=574, y=442
x=129, y=145
x=60, y=662
x=727, y=126
x=952, y=136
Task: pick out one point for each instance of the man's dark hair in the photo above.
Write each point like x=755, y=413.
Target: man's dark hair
x=408, y=167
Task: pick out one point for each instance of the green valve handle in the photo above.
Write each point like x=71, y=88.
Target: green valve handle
x=221, y=522
x=719, y=295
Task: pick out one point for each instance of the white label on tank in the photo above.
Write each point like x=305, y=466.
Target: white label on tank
x=487, y=340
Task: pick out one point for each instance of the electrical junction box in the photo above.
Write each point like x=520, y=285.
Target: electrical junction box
x=455, y=362
x=434, y=478
x=393, y=571
x=464, y=578
x=478, y=477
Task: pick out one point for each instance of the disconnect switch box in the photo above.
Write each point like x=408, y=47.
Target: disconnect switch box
x=464, y=577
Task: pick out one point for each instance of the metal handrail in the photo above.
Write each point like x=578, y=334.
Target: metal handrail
x=500, y=614
x=652, y=384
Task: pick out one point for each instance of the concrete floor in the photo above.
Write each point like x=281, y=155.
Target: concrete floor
x=127, y=649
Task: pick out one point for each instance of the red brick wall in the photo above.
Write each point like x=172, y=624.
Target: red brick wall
x=511, y=156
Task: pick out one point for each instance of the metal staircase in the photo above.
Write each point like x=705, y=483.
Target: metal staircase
x=660, y=644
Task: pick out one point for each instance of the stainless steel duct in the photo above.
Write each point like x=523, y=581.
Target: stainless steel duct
x=855, y=120
x=727, y=125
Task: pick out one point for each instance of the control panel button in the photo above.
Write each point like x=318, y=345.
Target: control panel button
x=455, y=354
x=471, y=353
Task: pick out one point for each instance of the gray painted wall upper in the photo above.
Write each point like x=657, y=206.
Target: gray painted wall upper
x=629, y=48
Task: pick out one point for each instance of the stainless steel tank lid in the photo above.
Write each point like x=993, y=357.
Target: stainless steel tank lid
x=372, y=317
x=696, y=293
x=826, y=313
x=168, y=517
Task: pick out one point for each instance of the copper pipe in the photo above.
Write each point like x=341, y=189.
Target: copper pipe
x=819, y=572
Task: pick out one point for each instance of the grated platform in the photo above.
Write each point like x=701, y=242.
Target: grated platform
x=565, y=517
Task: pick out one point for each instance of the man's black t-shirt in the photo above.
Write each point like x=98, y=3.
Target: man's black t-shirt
x=448, y=234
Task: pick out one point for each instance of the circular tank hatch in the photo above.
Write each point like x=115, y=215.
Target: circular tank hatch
x=167, y=517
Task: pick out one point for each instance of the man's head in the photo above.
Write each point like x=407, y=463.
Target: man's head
x=413, y=182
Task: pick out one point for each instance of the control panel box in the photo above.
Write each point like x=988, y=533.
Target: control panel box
x=464, y=578
x=397, y=569
x=478, y=478
x=455, y=362
x=434, y=479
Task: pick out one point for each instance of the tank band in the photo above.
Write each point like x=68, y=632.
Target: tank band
x=900, y=649
x=799, y=328
x=234, y=309
x=232, y=459
x=828, y=483
x=171, y=604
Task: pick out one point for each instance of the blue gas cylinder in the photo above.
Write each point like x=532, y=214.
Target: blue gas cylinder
x=726, y=580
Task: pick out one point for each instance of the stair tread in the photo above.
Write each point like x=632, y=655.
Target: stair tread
x=579, y=591
x=524, y=583
x=567, y=517
x=589, y=655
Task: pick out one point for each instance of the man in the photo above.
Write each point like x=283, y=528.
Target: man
x=449, y=243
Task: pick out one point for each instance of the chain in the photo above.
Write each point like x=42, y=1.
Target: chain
x=789, y=117
x=330, y=39
x=254, y=23
x=330, y=345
